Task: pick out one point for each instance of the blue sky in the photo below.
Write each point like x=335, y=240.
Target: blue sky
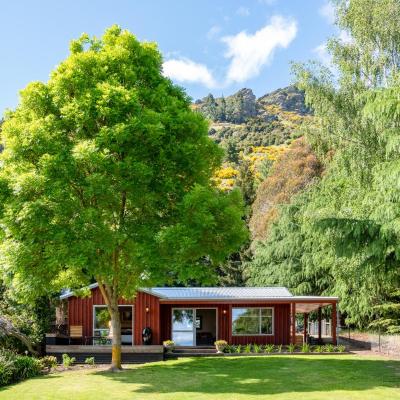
x=208, y=46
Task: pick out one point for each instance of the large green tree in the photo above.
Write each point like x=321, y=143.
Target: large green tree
x=106, y=176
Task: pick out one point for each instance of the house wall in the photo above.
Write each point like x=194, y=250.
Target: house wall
x=224, y=326
x=159, y=318
x=80, y=312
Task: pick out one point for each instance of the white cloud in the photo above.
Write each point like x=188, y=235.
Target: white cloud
x=185, y=70
x=213, y=31
x=328, y=12
x=322, y=53
x=345, y=37
x=243, y=11
x=250, y=52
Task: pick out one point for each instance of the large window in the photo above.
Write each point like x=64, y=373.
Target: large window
x=252, y=321
x=102, y=323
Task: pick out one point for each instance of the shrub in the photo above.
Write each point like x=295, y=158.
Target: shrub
x=318, y=349
x=6, y=371
x=291, y=348
x=306, y=348
x=89, y=361
x=14, y=367
x=329, y=348
x=247, y=348
x=239, y=348
x=341, y=348
x=67, y=360
x=279, y=348
x=26, y=367
x=269, y=348
x=49, y=362
x=257, y=348
x=233, y=349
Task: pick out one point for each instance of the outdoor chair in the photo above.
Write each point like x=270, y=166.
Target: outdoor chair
x=76, y=333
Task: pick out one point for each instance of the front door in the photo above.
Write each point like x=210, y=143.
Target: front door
x=194, y=326
x=183, y=328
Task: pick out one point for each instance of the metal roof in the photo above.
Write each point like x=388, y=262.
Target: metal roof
x=218, y=293
x=222, y=293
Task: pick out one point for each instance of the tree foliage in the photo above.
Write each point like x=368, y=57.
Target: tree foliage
x=293, y=171
x=346, y=226
x=106, y=176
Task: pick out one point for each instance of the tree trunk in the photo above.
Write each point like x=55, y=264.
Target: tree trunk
x=116, y=338
x=111, y=299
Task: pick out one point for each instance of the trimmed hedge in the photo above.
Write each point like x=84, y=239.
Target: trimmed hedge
x=15, y=367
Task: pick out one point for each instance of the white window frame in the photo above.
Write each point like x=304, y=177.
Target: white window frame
x=256, y=334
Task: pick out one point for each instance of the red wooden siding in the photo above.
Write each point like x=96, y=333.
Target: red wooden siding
x=147, y=319
x=224, y=329
x=80, y=312
x=158, y=318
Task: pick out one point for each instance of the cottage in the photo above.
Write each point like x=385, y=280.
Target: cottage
x=192, y=316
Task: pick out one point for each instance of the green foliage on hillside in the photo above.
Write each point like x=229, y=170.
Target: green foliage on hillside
x=253, y=133
x=241, y=121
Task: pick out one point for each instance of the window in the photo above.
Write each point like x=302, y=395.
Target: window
x=252, y=321
x=101, y=325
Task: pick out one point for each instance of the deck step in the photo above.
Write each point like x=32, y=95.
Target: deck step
x=180, y=355
x=194, y=350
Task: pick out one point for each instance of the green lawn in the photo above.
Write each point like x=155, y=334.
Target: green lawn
x=276, y=377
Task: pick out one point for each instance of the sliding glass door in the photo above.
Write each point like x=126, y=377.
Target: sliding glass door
x=183, y=332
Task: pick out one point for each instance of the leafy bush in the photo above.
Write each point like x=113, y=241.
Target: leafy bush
x=67, y=360
x=49, y=362
x=329, y=348
x=230, y=349
x=291, y=348
x=90, y=361
x=318, y=349
x=257, y=348
x=26, y=367
x=269, y=348
x=279, y=348
x=247, y=348
x=341, y=348
x=6, y=371
x=239, y=348
x=14, y=367
x=306, y=348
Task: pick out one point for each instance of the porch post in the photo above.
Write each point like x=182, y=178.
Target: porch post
x=334, y=323
x=305, y=331
x=293, y=324
x=319, y=324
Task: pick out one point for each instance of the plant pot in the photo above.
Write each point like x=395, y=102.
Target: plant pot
x=169, y=349
x=220, y=348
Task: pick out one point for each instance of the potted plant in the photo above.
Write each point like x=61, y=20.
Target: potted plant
x=220, y=345
x=169, y=345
